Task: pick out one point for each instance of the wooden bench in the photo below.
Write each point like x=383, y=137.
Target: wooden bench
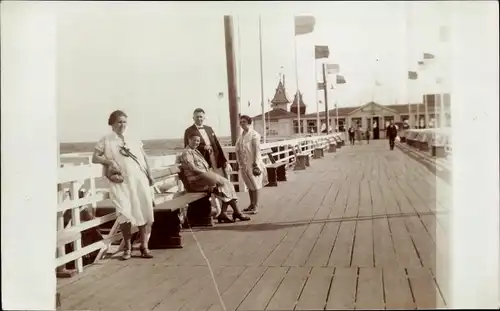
x=169, y=219
x=339, y=141
x=275, y=171
x=423, y=142
x=318, y=152
x=332, y=145
x=302, y=160
x=438, y=151
x=437, y=144
x=170, y=205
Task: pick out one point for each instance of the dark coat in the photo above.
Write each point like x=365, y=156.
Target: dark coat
x=392, y=132
x=214, y=142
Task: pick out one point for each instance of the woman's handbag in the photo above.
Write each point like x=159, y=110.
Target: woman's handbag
x=256, y=170
x=114, y=175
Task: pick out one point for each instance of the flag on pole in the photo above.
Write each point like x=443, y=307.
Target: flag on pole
x=428, y=56
x=444, y=34
x=304, y=25
x=412, y=75
x=248, y=103
x=332, y=69
x=321, y=51
x=321, y=86
x=421, y=63
x=220, y=95
x=340, y=79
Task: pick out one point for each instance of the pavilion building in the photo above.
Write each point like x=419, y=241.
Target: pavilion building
x=281, y=120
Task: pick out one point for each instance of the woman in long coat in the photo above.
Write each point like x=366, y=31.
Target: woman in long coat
x=130, y=181
x=249, y=160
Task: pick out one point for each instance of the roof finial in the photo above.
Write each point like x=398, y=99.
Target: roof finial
x=282, y=76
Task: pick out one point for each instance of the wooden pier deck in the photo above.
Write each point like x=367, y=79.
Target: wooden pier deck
x=356, y=230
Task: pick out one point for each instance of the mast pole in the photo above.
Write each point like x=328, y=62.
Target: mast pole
x=325, y=90
x=231, y=78
x=264, y=134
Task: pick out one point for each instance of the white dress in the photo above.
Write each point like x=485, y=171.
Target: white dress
x=245, y=158
x=133, y=199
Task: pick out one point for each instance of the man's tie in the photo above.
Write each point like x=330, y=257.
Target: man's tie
x=200, y=127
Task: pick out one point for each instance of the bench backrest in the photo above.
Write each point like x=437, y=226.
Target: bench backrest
x=269, y=153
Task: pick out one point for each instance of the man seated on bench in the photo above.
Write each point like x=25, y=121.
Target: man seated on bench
x=200, y=177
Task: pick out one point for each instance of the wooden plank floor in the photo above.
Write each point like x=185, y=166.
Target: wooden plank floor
x=359, y=229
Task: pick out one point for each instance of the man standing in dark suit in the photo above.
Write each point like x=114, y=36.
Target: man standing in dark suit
x=392, y=132
x=209, y=146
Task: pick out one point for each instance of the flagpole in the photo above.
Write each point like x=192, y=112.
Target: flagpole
x=337, y=111
x=441, y=78
x=297, y=94
x=239, y=64
x=264, y=136
x=318, y=129
x=231, y=78
x=408, y=58
x=325, y=90
x=426, y=111
x=268, y=119
x=335, y=103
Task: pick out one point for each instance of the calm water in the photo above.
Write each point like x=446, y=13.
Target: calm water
x=153, y=147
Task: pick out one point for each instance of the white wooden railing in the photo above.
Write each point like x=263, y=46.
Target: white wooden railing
x=438, y=136
x=78, y=173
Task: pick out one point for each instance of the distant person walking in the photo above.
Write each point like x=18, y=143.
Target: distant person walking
x=251, y=166
x=367, y=135
x=392, y=132
x=351, y=135
x=130, y=181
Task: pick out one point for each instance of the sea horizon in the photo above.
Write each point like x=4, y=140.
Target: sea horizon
x=153, y=147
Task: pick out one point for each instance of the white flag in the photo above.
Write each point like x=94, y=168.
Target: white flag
x=304, y=25
x=332, y=69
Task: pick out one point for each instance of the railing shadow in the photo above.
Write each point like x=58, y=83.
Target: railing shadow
x=245, y=227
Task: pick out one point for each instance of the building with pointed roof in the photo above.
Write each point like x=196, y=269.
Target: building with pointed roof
x=281, y=122
x=280, y=99
x=293, y=107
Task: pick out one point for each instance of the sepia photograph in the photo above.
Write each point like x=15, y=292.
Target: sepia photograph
x=250, y=156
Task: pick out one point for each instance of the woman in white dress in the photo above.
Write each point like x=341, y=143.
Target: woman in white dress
x=252, y=168
x=130, y=181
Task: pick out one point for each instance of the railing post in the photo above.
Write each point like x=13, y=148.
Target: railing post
x=61, y=271
x=75, y=221
x=92, y=187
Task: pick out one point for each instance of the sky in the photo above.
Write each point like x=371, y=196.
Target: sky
x=158, y=61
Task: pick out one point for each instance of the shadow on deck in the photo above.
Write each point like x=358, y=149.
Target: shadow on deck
x=358, y=229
